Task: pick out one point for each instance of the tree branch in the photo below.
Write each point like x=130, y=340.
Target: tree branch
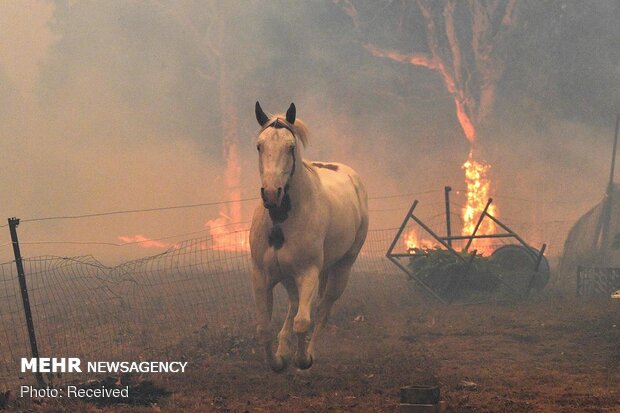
x=480, y=27
x=433, y=45
x=453, y=41
x=349, y=8
x=508, y=19
x=417, y=59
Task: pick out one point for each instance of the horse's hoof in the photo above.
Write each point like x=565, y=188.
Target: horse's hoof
x=279, y=364
x=306, y=363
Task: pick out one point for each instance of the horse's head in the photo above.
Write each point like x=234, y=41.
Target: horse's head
x=277, y=152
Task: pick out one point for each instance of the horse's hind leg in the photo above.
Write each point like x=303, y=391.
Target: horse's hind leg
x=284, y=337
x=337, y=279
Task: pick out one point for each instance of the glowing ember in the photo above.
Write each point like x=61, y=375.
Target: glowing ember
x=478, y=193
x=143, y=242
x=412, y=241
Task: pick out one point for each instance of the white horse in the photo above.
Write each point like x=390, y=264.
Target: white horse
x=306, y=235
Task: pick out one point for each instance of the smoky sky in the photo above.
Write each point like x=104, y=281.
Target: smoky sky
x=116, y=105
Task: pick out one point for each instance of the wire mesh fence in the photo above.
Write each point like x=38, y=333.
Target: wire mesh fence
x=144, y=308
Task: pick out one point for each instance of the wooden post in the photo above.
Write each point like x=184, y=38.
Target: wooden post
x=447, y=190
x=530, y=283
x=13, y=223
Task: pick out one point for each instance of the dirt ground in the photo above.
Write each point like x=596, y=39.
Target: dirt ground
x=551, y=353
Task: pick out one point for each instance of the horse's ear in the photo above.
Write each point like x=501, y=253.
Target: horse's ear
x=260, y=115
x=290, y=114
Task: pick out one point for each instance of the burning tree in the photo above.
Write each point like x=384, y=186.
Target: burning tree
x=467, y=60
x=206, y=25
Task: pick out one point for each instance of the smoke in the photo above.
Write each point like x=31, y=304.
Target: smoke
x=110, y=106
x=26, y=40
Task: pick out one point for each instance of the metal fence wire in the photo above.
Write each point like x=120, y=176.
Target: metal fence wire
x=144, y=308
x=597, y=282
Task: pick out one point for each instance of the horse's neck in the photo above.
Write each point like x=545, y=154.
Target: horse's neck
x=302, y=187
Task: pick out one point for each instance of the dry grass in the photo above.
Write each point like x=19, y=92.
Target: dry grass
x=548, y=354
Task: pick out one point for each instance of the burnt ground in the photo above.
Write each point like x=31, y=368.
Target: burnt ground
x=551, y=353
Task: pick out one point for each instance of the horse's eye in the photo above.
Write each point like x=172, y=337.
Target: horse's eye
x=292, y=150
x=258, y=147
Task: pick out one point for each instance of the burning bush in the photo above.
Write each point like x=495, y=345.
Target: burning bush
x=450, y=276
x=469, y=277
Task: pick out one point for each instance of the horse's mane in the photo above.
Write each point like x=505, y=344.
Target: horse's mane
x=300, y=128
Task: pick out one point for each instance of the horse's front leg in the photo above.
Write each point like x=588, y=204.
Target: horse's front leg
x=263, y=296
x=284, y=337
x=307, y=284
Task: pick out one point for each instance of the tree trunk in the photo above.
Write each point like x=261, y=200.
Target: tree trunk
x=230, y=133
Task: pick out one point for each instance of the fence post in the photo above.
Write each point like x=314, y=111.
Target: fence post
x=13, y=223
x=447, y=190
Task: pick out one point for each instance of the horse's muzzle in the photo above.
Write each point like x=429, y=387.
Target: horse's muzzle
x=272, y=198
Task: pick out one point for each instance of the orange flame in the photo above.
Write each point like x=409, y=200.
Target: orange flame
x=412, y=241
x=478, y=193
x=225, y=229
x=227, y=235
x=143, y=242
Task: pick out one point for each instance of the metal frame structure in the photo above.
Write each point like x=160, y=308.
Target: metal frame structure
x=446, y=242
